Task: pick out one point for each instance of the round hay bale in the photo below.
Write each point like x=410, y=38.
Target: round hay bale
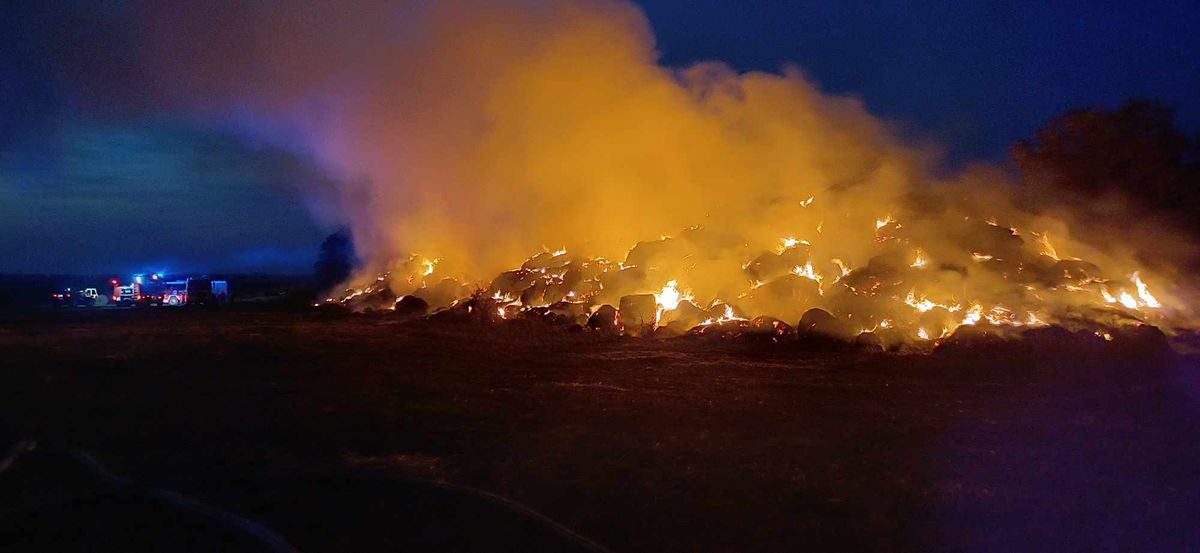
x=639, y=313
x=545, y=260
x=869, y=341
x=786, y=297
x=937, y=320
x=1143, y=342
x=686, y=315
x=819, y=322
x=411, y=305
x=769, y=326
x=605, y=319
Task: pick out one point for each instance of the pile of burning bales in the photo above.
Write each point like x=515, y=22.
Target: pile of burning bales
x=705, y=283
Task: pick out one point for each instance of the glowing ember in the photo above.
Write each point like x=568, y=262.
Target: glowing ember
x=1000, y=315
x=921, y=305
x=973, y=315
x=808, y=272
x=1047, y=248
x=920, y=260
x=924, y=304
x=841, y=265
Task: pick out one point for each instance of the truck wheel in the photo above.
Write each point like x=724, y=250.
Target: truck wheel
x=173, y=300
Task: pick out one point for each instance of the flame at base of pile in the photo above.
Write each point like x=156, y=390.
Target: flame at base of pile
x=700, y=280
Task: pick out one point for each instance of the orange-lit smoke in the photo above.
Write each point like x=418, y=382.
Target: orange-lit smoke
x=480, y=134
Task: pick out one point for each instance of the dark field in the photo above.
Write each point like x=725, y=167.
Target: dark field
x=328, y=429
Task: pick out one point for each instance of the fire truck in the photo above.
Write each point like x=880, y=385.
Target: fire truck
x=156, y=289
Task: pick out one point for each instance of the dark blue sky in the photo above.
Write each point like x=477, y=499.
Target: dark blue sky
x=82, y=189
x=974, y=75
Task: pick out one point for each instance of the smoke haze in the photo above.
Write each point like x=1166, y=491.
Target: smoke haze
x=480, y=134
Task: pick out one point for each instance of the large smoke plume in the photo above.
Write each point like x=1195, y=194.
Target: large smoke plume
x=480, y=133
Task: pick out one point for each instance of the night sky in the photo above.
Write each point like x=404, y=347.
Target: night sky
x=89, y=186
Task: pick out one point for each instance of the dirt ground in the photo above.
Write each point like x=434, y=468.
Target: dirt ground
x=320, y=426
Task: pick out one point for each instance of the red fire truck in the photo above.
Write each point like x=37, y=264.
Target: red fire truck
x=155, y=289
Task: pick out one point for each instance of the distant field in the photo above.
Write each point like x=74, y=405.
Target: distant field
x=685, y=445
x=20, y=292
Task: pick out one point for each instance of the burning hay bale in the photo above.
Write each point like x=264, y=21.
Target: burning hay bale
x=786, y=297
x=721, y=312
x=477, y=309
x=936, y=321
x=654, y=253
x=561, y=313
x=984, y=243
x=615, y=284
x=377, y=300
x=770, y=265
x=545, y=261
x=639, y=314
x=605, y=320
x=888, y=266
x=976, y=336
x=820, y=323
x=513, y=283
x=444, y=293
x=1076, y=270
x=722, y=329
x=895, y=339
x=869, y=341
x=411, y=306
x=683, y=318
x=575, y=312
x=770, y=327
x=540, y=315
x=541, y=294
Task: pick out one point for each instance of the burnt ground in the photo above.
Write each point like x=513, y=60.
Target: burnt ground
x=330, y=429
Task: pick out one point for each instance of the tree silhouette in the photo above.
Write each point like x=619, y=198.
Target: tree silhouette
x=1127, y=163
x=336, y=260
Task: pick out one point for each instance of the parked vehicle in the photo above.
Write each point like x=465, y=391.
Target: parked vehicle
x=155, y=289
x=63, y=298
x=205, y=291
x=86, y=297
x=124, y=296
